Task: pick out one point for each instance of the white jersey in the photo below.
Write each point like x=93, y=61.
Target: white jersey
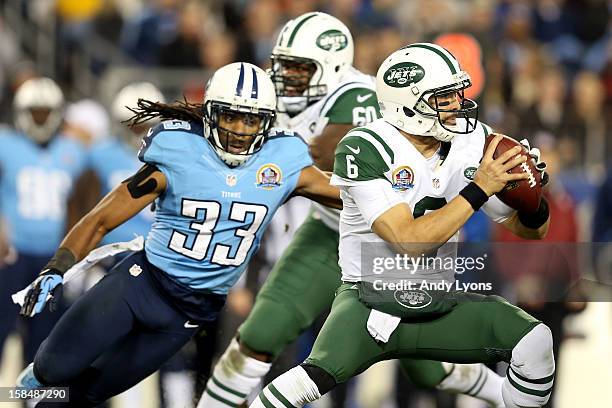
x=377, y=168
x=353, y=101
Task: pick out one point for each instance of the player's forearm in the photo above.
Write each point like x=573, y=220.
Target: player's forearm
x=85, y=236
x=514, y=225
x=426, y=233
x=435, y=228
x=328, y=195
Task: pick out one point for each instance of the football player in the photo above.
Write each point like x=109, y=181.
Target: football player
x=38, y=168
x=217, y=178
x=409, y=181
x=321, y=96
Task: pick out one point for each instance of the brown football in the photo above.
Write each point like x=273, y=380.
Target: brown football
x=522, y=195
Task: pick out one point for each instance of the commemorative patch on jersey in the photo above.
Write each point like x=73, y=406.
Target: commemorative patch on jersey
x=268, y=176
x=413, y=299
x=469, y=173
x=403, y=178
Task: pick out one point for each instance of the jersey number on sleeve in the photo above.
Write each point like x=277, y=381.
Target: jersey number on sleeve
x=352, y=171
x=362, y=115
x=205, y=229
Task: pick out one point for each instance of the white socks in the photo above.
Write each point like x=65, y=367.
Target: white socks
x=292, y=389
x=234, y=377
x=531, y=372
x=476, y=380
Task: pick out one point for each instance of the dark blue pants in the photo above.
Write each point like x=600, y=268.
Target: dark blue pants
x=115, y=335
x=34, y=330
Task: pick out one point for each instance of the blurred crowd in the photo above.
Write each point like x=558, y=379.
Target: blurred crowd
x=542, y=70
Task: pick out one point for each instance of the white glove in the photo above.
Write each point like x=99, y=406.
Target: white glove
x=535, y=154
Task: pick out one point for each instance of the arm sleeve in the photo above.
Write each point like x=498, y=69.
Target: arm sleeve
x=496, y=210
x=373, y=198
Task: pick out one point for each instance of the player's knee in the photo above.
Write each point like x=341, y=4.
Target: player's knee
x=530, y=375
x=324, y=381
x=261, y=335
x=48, y=370
x=246, y=349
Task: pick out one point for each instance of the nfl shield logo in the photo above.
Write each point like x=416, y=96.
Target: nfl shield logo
x=231, y=180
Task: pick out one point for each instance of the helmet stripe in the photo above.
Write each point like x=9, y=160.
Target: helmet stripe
x=255, y=87
x=240, y=83
x=446, y=59
x=297, y=27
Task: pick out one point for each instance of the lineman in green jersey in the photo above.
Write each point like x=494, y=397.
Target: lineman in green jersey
x=406, y=190
x=321, y=97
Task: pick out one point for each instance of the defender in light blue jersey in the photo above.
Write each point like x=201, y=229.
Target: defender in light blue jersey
x=38, y=168
x=216, y=187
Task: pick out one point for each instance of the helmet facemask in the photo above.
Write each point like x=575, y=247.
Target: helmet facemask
x=436, y=103
x=297, y=82
x=235, y=147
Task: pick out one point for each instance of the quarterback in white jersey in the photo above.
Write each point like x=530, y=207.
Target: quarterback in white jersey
x=377, y=157
x=408, y=183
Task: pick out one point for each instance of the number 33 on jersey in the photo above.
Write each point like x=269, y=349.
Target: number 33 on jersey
x=223, y=211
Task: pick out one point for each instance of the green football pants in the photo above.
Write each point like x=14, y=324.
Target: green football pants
x=479, y=329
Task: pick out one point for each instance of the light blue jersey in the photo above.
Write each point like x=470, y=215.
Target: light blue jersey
x=35, y=183
x=113, y=161
x=211, y=217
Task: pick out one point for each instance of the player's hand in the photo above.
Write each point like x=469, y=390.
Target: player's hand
x=534, y=152
x=49, y=282
x=492, y=174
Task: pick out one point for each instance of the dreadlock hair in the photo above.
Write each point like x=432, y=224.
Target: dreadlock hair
x=180, y=110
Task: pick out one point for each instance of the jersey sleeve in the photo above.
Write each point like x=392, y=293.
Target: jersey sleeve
x=373, y=198
x=496, y=210
x=356, y=106
x=358, y=159
x=161, y=145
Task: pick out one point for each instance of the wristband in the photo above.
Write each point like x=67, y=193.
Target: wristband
x=61, y=261
x=537, y=219
x=474, y=195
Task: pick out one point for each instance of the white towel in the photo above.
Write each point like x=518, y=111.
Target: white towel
x=90, y=260
x=382, y=325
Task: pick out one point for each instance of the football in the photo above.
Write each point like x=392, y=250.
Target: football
x=522, y=195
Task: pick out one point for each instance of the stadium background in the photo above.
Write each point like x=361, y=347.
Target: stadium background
x=542, y=69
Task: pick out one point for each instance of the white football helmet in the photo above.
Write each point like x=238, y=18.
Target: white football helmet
x=128, y=96
x=39, y=108
x=241, y=88
x=316, y=39
x=409, y=83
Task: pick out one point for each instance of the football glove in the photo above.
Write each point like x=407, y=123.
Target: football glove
x=46, y=287
x=534, y=152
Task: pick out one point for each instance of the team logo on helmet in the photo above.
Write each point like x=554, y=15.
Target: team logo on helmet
x=469, y=173
x=413, y=299
x=268, y=176
x=403, y=74
x=403, y=178
x=332, y=40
